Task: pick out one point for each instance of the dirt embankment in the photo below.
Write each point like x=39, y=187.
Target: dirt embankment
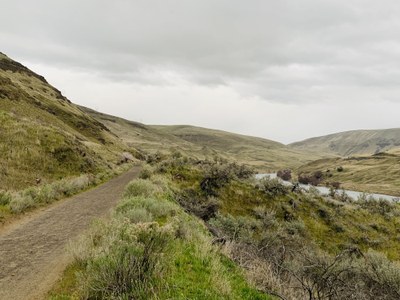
x=32, y=251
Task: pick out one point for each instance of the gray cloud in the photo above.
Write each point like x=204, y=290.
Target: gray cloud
x=214, y=42
x=306, y=51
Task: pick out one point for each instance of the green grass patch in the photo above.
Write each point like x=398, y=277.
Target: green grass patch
x=151, y=249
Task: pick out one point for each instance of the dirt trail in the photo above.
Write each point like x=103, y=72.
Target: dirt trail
x=32, y=252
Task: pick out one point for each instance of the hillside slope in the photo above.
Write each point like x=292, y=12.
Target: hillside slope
x=43, y=135
x=262, y=153
x=352, y=142
x=265, y=155
x=378, y=173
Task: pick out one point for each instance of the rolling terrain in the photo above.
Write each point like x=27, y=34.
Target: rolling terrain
x=265, y=155
x=188, y=228
x=354, y=142
x=370, y=159
x=45, y=137
x=378, y=173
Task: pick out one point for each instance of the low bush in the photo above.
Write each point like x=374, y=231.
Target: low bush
x=314, y=179
x=48, y=193
x=5, y=198
x=217, y=175
x=126, y=265
x=236, y=228
x=285, y=174
x=380, y=206
x=146, y=172
x=201, y=206
x=154, y=206
x=273, y=187
x=21, y=203
x=139, y=215
x=140, y=187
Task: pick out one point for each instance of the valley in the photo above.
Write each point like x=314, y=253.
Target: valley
x=175, y=211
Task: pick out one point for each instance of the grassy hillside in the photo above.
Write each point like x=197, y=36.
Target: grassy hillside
x=151, y=249
x=379, y=173
x=135, y=134
x=265, y=155
x=352, y=142
x=298, y=245
x=43, y=135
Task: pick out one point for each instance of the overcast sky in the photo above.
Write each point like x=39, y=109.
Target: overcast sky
x=279, y=69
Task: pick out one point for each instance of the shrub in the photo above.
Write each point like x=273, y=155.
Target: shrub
x=31, y=192
x=217, y=175
x=314, y=179
x=380, y=275
x=285, y=174
x=335, y=185
x=161, y=182
x=129, y=267
x=296, y=228
x=304, y=179
x=273, y=187
x=21, y=202
x=74, y=185
x=154, y=158
x=140, y=187
x=202, y=207
x=146, y=172
x=5, y=197
x=379, y=206
x=267, y=217
x=48, y=194
x=155, y=207
x=236, y=228
x=140, y=215
x=215, y=178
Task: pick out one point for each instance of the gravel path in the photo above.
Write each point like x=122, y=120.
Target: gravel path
x=32, y=251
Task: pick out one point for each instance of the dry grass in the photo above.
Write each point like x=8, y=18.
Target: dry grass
x=373, y=174
x=356, y=142
x=201, y=143
x=44, y=136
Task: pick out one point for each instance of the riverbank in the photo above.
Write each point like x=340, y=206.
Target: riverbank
x=355, y=195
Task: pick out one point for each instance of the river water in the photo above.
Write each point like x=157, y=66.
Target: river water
x=325, y=190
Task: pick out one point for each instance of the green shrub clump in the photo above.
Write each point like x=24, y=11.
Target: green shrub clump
x=140, y=187
x=127, y=266
x=5, y=197
x=273, y=187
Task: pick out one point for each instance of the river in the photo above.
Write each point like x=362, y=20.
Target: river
x=325, y=190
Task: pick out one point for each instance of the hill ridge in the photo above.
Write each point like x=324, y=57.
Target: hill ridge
x=353, y=142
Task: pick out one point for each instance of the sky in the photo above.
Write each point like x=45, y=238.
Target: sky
x=278, y=69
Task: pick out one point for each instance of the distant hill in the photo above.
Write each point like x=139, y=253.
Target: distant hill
x=378, y=173
x=44, y=135
x=262, y=153
x=352, y=142
x=265, y=155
